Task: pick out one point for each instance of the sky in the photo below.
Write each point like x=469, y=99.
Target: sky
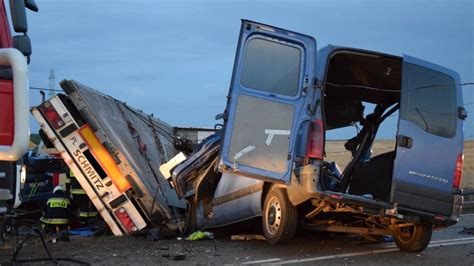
x=174, y=58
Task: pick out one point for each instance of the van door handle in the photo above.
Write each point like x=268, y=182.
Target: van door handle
x=404, y=141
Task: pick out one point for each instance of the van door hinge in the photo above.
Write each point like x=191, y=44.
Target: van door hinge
x=313, y=106
x=462, y=113
x=318, y=84
x=305, y=85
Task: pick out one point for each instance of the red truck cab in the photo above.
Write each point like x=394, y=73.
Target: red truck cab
x=15, y=54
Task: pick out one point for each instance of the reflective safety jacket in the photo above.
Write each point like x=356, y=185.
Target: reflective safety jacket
x=81, y=200
x=77, y=191
x=76, y=188
x=57, y=211
x=90, y=212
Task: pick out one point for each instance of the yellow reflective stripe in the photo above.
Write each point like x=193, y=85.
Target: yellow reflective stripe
x=58, y=202
x=104, y=158
x=71, y=174
x=78, y=191
x=54, y=220
x=55, y=199
x=87, y=214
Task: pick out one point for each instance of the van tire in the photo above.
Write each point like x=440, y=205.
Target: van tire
x=418, y=240
x=280, y=217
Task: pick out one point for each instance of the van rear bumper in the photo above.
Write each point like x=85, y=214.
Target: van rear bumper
x=380, y=208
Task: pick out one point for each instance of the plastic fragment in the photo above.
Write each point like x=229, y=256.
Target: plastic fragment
x=198, y=235
x=247, y=237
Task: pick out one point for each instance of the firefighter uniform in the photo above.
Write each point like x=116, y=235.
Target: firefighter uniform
x=57, y=213
x=86, y=210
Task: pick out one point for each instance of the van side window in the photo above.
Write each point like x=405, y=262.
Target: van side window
x=431, y=108
x=271, y=66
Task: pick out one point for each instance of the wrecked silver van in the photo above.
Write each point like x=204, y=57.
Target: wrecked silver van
x=269, y=159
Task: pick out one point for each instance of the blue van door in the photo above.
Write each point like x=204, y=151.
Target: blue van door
x=272, y=72
x=429, y=139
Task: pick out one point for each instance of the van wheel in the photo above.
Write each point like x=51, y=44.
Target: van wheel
x=417, y=240
x=280, y=217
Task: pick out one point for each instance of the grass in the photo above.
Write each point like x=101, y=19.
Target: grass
x=335, y=152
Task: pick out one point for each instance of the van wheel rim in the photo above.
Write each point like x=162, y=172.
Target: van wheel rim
x=410, y=231
x=273, y=216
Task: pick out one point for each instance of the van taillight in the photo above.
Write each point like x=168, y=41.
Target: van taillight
x=51, y=115
x=314, y=148
x=126, y=221
x=458, y=171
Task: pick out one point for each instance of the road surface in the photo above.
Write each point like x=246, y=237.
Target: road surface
x=448, y=247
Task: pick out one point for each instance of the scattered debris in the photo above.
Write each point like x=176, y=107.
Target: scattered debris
x=467, y=230
x=84, y=232
x=178, y=256
x=198, y=235
x=156, y=234
x=247, y=237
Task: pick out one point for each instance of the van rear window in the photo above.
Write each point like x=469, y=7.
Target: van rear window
x=271, y=66
x=429, y=100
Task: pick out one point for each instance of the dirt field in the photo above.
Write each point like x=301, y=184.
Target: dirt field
x=336, y=152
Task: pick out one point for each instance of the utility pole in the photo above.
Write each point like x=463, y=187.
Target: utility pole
x=51, y=82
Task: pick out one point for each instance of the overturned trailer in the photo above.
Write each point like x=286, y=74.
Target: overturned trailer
x=115, y=152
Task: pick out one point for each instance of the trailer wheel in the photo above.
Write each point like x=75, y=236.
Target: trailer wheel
x=280, y=217
x=418, y=239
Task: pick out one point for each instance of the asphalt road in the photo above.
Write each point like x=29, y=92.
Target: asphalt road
x=448, y=247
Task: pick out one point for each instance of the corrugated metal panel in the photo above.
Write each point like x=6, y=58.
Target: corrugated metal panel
x=140, y=141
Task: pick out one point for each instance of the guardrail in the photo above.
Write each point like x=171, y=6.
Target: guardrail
x=467, y=192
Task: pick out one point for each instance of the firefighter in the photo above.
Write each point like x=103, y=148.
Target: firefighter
x=57, y=213
x=86, y=210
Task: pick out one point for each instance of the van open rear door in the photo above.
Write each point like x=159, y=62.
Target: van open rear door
x=430, y=138
x=272, y=71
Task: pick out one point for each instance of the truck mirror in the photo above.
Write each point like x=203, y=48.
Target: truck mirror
x=219, y=116
x=18, y=13
x=23, y=44
x=31, y=5
x=14, y=116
